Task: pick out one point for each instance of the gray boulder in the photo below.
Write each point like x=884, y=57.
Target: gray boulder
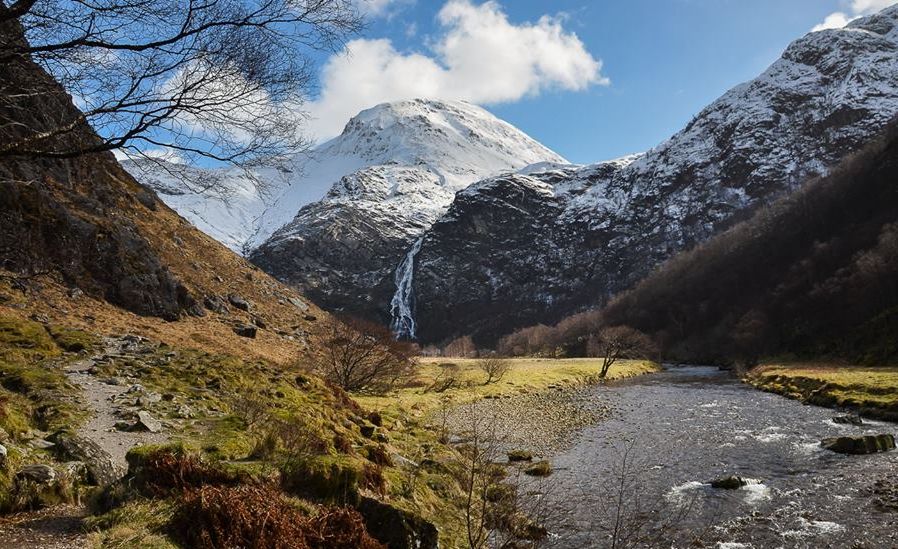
x=146, y=422
x=37, y=473
x=102, y=470
x=238, y=302
x=246, y=330
x=215, y=304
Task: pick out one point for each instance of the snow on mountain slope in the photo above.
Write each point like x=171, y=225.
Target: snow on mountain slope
x=425, y=150
x=417, y=154
x=512, y=252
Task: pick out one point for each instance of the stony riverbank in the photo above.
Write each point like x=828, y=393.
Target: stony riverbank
x=542, y=422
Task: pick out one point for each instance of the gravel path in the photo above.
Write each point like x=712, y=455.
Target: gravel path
x=101, y=396
x=54, y=528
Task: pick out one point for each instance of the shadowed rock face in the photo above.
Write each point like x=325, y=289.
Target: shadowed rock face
x=62, y=216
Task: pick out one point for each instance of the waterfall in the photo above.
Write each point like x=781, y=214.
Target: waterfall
x=402, y=304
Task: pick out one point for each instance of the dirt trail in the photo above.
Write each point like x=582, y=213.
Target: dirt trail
x=100, y=398
x=54, y=528
x=60, y=527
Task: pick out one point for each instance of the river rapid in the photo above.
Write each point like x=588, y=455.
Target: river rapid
x=641, y=477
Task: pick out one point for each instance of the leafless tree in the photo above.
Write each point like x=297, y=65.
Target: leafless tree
x=616, y=343
x=460, y=347
x=222, y=80
x=495, y=368
x=359, y=355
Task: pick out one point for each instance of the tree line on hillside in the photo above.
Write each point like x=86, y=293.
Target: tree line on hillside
x=814, y=274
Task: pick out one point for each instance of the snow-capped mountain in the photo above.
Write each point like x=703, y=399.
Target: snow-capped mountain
x=339, y=220
x=412, y=154
x=527, y=248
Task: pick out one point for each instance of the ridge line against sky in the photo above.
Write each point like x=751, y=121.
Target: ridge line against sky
x=590, y=80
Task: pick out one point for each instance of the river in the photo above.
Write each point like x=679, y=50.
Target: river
x=676, y=430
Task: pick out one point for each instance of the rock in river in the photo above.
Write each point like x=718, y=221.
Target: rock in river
x=732, y=482
x=869, y=444
x=848, y=419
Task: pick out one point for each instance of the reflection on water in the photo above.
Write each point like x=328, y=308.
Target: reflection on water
x=677, y=430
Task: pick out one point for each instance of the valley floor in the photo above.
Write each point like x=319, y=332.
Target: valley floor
x=524, y=375
x=870, y=391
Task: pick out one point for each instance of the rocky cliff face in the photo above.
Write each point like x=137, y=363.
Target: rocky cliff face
x=343, y=251
x=63, y=216
x=528, y=248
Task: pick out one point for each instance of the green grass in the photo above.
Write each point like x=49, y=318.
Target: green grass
x=341, y=451
x=139, y=524
x=873, y=391
x=34, y=391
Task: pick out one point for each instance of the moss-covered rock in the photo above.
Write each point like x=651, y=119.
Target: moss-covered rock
x=539, y=469
x=520, y=455
x=869, y=444
x=325, y=478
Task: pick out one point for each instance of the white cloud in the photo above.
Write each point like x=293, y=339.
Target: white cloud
x=379, y=8
x=479, y=56
x=856, y=9
x=835, y=20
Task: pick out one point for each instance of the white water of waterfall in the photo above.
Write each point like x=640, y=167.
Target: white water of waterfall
x=401, y=306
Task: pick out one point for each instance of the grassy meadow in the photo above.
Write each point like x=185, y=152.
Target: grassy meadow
x=870, y=391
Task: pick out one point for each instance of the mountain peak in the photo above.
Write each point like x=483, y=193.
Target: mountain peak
x=459, y=140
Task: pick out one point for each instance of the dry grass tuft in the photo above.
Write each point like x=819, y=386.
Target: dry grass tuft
x=258, y=517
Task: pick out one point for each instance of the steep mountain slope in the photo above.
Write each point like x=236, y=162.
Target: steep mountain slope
x=813, y=274
x=82, y=243
x=529, y=248
x=342, y=251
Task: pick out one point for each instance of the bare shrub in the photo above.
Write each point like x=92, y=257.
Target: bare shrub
x=298, y=439
x=616, y=343
x=360, y=356
x=251, y=407
x=494, y=368
x=448, y=376
x=495, y=514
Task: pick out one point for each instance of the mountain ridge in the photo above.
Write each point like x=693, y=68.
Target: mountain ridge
x=606, y=226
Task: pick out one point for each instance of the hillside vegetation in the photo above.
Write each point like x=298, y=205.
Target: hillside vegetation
x=813, y=275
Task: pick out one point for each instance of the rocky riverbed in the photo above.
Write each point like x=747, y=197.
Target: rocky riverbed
x=543, y=422
x=652, y=462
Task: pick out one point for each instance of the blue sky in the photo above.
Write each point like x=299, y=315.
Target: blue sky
x=665, y=59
